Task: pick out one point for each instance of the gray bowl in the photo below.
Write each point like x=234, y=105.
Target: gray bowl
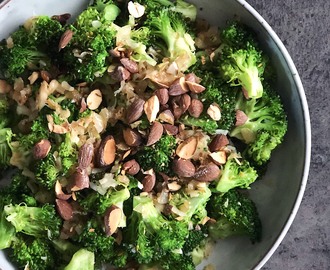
x=278, y=195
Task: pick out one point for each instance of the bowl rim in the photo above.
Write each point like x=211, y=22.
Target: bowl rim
x=307, y=129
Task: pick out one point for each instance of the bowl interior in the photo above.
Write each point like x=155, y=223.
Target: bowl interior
x=279, y=192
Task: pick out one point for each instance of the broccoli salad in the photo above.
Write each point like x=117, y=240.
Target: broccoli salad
x=131, y=136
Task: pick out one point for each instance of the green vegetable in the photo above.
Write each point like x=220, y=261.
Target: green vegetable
x=82, y=259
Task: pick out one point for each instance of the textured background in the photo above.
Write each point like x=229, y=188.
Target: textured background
x=304, y=28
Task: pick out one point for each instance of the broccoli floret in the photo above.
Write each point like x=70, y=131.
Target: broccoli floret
x=194, y=239
x=35, y=221
x=152, y=234
x=94, y=239
x=4, y=105
x=235, y=214
x=6, y=135
x=16, y=60
x=172, y=36
x=68, y=153
x=94, y=34
x=242, y=61
x=35, y=252
x=265, y=127
x=193, y=208
x=83, y=259
x=204, y=122
x=236, y=174
x=46, y=172
x=7, y=230
x=157, y=156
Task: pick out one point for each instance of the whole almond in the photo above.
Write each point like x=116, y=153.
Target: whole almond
x=195, y=87
x=187, y=148
x=196, y=108
x=41, y=149
x=131, y=167
x=85, y=155
x=207, y=173
x=130, y=65
x=132, y=137
x=149, y=182
x=241, y=118
x=218, y=142
x=151, y=108
x=178, y=87
x=163, y=96
x=185, y=101
x=135, y=110
x=167, y=117
x=64, y=209
x=156, y=132
x=171, y=129
x=65, y=39
x=112, y=218
x=183, y=167
x=106, y=152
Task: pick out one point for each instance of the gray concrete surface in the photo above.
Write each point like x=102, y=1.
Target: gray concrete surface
x=304, y=28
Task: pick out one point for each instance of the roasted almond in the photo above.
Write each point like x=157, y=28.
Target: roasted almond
x=207, y=173
x=45, y=75
x=151, y=108
x=196, y=108
x=171, y=129
x=218, y=142
x=85, y=155
x=112, y=218
x=64, y=209
x=106, y=153
x=214, y=111
x=41, y=149
x=241, y=118
x=149, y=181
x=135, y=110
x=187, y=148
x=94, y=99
x=62, y=19
x=176, y=108
x=120, y=74
x=219, y=157
x=65, y=39
x=156, y=132
x=79, y=180
x=185, y=101
x=163, y=96
x=132, y=137
x=131, y=167
x=191, y=77
x=59, y=192
x=130, y=65
x=178, y=87
x=195, y=87
x=183, y=167
x=167, y=117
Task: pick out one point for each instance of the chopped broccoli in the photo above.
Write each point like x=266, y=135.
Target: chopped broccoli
x=235, y=214
x=68, y=153
x=82, y=259
x=7, y=230
x=35, y=252
x=158, y=156
x=205, y=123
x=5, y=147
x=46, y=172
x=242, y=62
x=172, y=35
x=236, y=174
x=265, y=127
x=35, y=221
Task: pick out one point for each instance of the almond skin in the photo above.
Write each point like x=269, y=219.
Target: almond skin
x=85, y=155
x=178, y=87
x=65, y=39
x=241, y=118
x=79, y=180
x=196, y=108
x=131, y=167
x=162, y=95
x=185, y=102
x=135, y=110
x=130, y=65
x=156, y=132
x=149, y=182
x=218, y=142
x=106, y=153
x=64, y=209
x=171, y=129
x=41, y=149
x=183, y=168
x=132, y=137
x=195, y=87
x=207, y=173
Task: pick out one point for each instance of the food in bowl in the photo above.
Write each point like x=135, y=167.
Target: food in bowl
x=134, y=131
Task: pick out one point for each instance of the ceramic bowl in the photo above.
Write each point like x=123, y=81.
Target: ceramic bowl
x=279, y=193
